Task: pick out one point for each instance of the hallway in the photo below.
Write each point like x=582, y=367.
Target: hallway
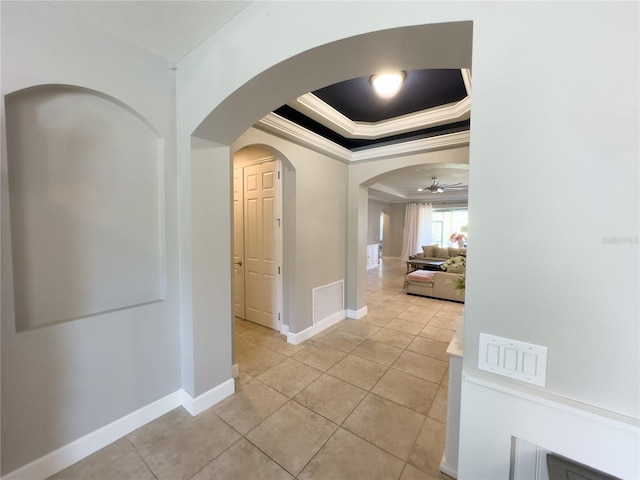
x=363, y=399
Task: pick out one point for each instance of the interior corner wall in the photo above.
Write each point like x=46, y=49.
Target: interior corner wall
x=396, y=229
x=320, y=221
x=373, y=222
x=63, y=381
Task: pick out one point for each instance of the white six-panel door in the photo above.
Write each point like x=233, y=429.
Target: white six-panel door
x=261, y=243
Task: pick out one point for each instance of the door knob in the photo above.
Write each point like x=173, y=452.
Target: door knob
x=238, y=263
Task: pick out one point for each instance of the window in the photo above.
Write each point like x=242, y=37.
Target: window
x=448, y=221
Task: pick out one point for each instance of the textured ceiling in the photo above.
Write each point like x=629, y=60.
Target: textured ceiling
x=169, y=29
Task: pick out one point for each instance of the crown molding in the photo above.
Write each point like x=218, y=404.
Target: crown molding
x=284, y=128
x=314, y=108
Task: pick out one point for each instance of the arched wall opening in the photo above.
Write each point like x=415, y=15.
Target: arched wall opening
x=227, y=127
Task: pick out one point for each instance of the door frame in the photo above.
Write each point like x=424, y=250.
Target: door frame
x=279, y=238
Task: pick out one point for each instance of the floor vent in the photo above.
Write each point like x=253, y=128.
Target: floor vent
x=328, y=301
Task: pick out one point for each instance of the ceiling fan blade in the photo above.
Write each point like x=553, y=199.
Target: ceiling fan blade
x=447, y=185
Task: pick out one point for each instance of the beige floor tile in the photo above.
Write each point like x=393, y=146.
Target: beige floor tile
x=429, y=302
x=390, y=311
x=427, y=451
x=377, y=352
x=431, y=348
x=407, y=390
x=280, y=345
x=243, y=345
x=319, y=356
x=119, y=459
x=442, y=322
x=247, y=408
x=386, y=424
x=405, y=326
x=394, y=338
x=331, y=397
x=357, y=371
x=292, y=436
x=376, y=319
x=421, y=366
x=416, y=317
x=341, y=340
x=258, y=360
x=289, y=377
x=453, y=306
x=360, y=328
x=412, y=473
x=446, y=312
x=145, y=437
x=184, y=451
x=438, y=334
x=438, y=410
x=348, y=457
x=418, y=307
x=241, y=462
x=403, y=299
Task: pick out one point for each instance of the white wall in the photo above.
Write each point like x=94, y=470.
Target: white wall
x=63, y=381
x=551, y=100
x=555, y=97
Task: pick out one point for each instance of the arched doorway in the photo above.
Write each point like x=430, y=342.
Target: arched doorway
x=229, y=118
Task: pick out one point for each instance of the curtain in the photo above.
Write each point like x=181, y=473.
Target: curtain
x=417, y=229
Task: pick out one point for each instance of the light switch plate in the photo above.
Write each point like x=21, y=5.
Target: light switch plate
x=522, y=361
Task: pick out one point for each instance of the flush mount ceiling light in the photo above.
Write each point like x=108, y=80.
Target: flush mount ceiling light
x=387, y=85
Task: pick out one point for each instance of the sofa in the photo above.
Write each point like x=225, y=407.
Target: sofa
x=434, y=252
x=434, y=284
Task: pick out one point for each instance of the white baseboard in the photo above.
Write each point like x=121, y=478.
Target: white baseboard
x=208, y=399
x=296, y=338
x=75, y=451
x=284, y=329
x=451, y=470
x=357, y=314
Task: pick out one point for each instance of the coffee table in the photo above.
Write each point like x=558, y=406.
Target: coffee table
x=420, y=263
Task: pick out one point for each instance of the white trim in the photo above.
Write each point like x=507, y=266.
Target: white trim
x=314, y=108
x=504, y=410
x=357, y=314
x=286, y=129
x=75, y=451
x=235, y=370
x=296, y=338
x=208, y=399
x=448, y=469
x=284, y=329
x=466, y=78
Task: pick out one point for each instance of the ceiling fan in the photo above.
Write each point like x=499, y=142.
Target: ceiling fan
x=436, y=187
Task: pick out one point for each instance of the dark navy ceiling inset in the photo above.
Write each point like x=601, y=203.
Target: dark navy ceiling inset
x=353, y=144
x=421, y=90
x=411, y=115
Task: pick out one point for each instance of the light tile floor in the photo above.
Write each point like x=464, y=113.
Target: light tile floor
x=364, y=399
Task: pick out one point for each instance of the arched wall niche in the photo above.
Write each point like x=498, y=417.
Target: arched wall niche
x=77, y=160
